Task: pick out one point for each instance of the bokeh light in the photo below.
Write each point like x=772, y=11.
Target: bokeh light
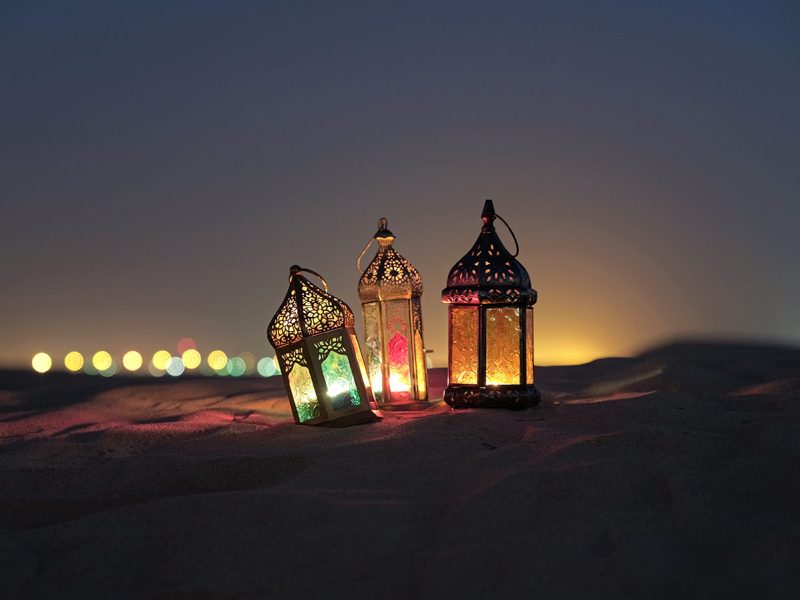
x=132, y=360
x=185, y=344
x=175, y=366
x=111, y=370
x=191, y=358
x=217, y=360
x=266, y=367
x=161, y=359
x=41, y=362
x=102, y=361
x=73, y=361
x=236, y=366
x=155, y=371
x=249, y=362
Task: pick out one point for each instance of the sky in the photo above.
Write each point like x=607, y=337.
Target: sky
x=162, y=164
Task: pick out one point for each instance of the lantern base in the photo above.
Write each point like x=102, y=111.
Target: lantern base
x=402, y=406
x=505, y=396
x=359, y=418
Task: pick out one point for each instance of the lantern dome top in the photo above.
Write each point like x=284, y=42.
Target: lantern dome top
x=489, y=273
x=306, y=310
x=389, y=276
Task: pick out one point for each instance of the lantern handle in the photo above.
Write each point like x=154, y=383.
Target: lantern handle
x=363, y=252
x=511, y=231
x=295, y=269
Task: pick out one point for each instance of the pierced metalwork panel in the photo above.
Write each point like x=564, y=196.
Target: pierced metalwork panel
x=306, y=310
x=389, y=276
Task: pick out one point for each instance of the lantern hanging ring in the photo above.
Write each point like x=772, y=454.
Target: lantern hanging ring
x=295, y=269
x=363, y=252
x=383, y=224
x=511, y=231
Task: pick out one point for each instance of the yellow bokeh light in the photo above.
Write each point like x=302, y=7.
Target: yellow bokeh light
x=191, y=358
x=73, y=361
x=132, y=360
x=161, y=359
x=41, y=362
x=102, y=360
x=217, y=360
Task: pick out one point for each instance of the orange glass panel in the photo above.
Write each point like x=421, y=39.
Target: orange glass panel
x=502, y=346
x=464, y=345
x=422, y=373
x=529, y=346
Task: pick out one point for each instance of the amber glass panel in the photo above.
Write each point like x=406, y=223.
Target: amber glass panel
x=464, y=345
x=502, y=346
x=422, y=373
x=303, y=394
x=374, y=347
x=397, y=349
x=529, y=345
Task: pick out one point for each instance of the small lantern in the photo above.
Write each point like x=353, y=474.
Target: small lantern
x=318, y=352
x=490, y=298
x=390, y=289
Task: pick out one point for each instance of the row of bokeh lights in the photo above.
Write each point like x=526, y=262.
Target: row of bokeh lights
x=188, y=359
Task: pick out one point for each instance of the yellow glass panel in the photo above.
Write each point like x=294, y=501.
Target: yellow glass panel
x=529, y=346
x=373, y=347
x=502, y=346
x=303, y=394
x=464, y=345
x=422, y=373
x=359, y=359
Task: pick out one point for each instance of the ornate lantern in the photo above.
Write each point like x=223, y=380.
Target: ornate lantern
x=390, y=289
x=490, y=313
x=318, y=352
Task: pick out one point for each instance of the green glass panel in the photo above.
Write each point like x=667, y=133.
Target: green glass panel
x=341, y=386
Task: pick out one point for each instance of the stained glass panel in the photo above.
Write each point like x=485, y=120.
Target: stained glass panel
x=464, y=345
x=502, y=346
x=341, y=387
x=374, y=348
x=303, y=394
x=397, y=350
x=529, y=346
x=359, y=359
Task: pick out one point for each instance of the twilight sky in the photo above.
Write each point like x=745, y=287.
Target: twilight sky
x=162, y=164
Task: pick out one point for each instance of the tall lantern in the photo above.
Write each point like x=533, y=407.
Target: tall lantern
x=319, y=356
x=490, y=309
x=390, y=289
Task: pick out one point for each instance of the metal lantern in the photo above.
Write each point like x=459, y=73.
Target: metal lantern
x=319, y=356
x=490, y=309
x=390, y=289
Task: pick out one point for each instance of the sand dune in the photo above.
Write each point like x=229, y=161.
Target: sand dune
x=672, y=474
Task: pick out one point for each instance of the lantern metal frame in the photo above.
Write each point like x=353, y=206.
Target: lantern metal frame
x=390, y=279
x=309, y=325
x=487, y=278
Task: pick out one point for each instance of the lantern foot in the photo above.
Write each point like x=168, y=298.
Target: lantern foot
x=359, y=418
x=506, y=396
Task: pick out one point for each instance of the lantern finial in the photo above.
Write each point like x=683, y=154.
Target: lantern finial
x=383, y=232
x=488, y=215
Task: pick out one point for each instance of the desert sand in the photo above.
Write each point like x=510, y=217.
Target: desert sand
x=674, y=474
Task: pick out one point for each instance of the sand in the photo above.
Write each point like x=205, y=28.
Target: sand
x=672, y=474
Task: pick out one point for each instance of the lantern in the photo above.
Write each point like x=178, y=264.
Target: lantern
x=319, y=356
x=390, y=289
x=490, y=310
